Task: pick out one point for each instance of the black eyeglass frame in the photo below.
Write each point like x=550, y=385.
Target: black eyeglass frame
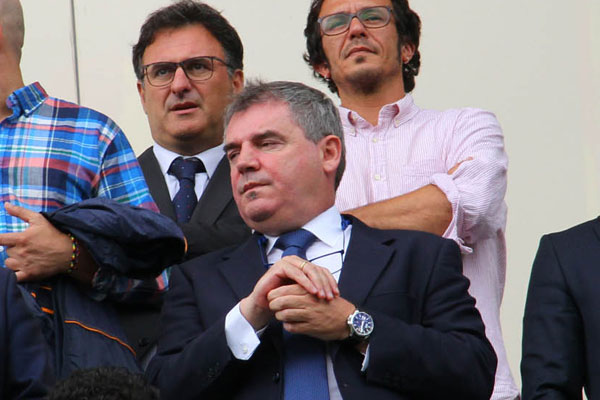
x=182, y=65
x=352, y=16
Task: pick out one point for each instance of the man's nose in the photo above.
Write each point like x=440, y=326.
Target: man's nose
x=356, y=27
x=180, y=82
x=246, y=161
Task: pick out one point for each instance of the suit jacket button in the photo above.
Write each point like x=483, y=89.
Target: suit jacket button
x=276, y=377
x=143, y=342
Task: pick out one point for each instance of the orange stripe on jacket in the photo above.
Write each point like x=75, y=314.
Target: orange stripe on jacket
x=102, y=333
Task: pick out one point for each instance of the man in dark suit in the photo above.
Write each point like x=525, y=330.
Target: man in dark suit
x=188, y=61
x=561, y=326
x=267, y=320
x=25, y=368
x=199, y=58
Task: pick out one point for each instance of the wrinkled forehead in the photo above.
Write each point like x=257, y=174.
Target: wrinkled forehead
x=351, y=6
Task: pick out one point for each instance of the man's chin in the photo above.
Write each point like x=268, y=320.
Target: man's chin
x=365, y=79
x=256, y=214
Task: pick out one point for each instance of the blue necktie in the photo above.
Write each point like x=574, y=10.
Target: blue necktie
x=185, y=200
x=304, y=368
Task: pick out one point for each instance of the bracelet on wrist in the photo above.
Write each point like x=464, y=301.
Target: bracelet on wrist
x=73, y=264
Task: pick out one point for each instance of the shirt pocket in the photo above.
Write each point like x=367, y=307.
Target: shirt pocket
x=423, y=168
x=417, y=174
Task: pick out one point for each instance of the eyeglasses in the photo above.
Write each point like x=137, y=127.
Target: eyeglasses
x=370, y=17
x=196, y=69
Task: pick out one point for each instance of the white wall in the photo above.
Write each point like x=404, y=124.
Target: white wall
x=535, y=63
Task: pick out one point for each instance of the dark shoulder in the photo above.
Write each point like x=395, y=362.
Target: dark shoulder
x=147, y=155
x=576, y=237
x=574, y=248
x=210, y=262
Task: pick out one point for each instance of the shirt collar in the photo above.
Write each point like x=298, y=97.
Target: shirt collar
x=397, y=113
x=26, y=100
x=210, y=158
x=327, y=227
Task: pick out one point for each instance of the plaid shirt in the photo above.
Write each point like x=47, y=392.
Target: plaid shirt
x=54, y=153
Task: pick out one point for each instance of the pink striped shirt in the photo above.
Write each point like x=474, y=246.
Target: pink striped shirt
x=411, y=148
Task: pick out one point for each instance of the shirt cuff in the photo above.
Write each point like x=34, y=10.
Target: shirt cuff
x=241, y=338
x=446, y=184
x=365, y=363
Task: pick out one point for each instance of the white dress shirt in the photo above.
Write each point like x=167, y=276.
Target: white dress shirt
x=210, y=158
x=327, y=251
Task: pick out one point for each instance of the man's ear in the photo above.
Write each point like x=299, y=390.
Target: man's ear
x=323, y=70
x=331, y=153
x=237, y=81
x=408, y=51
x=142, y=93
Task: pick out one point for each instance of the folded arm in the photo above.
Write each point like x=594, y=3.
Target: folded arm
x=464, y=203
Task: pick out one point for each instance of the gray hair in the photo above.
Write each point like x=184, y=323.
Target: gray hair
x=310, y=109
x=13, y=26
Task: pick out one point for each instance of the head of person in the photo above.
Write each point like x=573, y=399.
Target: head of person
x=103, y=383
x=284, y=142
x=12, y=28
x=188, y=62
x=363, y=43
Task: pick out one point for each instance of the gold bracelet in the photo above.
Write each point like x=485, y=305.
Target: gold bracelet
x=74, y=254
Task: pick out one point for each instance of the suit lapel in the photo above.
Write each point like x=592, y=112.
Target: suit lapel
x=243, y=267
x=365, y=261
x=156, y=183
x=216, y=196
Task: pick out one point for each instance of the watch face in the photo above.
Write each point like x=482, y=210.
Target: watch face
x=362, y=324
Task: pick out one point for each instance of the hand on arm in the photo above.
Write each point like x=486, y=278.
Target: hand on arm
x=315, y=280
x=42, y=251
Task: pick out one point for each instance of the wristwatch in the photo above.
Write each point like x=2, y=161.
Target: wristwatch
x=360, y=324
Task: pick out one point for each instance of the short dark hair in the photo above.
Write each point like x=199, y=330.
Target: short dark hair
x=310, y=109
x=103, y=383
x=189, y=12
x=408, y=26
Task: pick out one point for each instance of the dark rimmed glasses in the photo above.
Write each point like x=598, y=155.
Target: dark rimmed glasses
x=370, y=17
x=196, y=69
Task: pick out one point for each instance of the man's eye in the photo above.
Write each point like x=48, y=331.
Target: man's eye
x=198, y=66
x=371, y=16
x=160, y=71
x=336, y=21
x=232, y=155
x=267, y=145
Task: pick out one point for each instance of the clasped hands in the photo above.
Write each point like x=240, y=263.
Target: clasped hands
x=302, y=295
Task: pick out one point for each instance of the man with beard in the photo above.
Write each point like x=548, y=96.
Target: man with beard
x=441, y=172
x=189, y=62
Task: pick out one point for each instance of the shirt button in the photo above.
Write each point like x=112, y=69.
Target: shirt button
x=245, y=349
x=375, y=140
x=397, y=122
x=377, y=177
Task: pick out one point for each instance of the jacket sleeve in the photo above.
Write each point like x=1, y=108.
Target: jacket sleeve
x=476, y=189
x=445, y=354
x=553, y=362
x=190, y=356
x=28, y=370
